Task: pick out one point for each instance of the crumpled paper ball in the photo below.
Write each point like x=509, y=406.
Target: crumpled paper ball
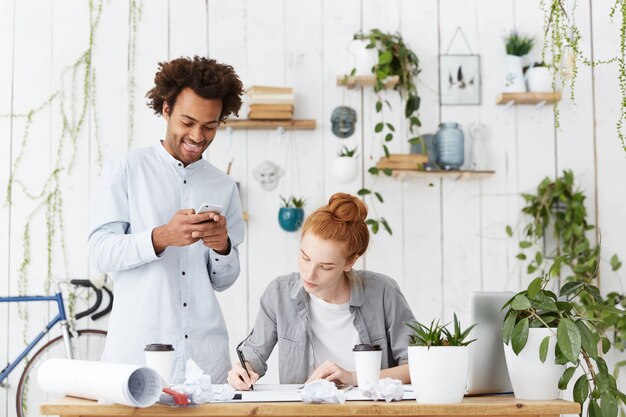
x=198, y=386
x=387, y=389
x=322, y=392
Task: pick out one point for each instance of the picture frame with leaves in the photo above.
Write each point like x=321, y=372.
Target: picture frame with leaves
x=459, y=79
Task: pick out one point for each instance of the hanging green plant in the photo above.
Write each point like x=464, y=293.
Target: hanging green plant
x=80, y=76
x=562, y=40
x=394, y=58
x=134, y=17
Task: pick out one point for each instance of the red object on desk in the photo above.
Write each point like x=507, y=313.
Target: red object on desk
x=179, y=397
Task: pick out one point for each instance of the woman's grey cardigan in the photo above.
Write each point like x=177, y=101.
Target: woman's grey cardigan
x=380, y=313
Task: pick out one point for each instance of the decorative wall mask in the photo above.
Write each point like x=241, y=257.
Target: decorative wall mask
x=268, y=174
x=343, y=120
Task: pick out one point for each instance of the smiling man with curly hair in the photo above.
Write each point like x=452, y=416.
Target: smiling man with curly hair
x=166, y=260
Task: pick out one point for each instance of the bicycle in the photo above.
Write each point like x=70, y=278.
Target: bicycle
x=86, y=344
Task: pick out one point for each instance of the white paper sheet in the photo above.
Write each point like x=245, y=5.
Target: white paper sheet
x=292, y=392
x=111, y=382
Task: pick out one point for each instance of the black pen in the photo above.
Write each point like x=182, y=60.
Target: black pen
x=242, y=360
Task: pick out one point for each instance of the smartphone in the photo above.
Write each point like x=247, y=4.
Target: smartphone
x=205, y=207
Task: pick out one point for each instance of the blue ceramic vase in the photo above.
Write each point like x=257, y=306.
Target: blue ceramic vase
x=290, y=218
x=449, y=146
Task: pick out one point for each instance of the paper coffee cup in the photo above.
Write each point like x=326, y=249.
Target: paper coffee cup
x=160, y=358
x=367, y=359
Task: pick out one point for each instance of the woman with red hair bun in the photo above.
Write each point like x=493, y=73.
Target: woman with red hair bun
x=318, y=314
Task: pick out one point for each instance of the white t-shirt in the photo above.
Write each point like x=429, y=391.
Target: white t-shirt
x=334, y=334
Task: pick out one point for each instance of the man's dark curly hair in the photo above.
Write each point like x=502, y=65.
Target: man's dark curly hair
x=206, y=77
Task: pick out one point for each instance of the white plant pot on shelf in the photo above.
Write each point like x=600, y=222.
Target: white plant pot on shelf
x=438, y=374
x=364, y=58
x=538, y=79
x=345, y=169
x=514, y=81
x=531, y=378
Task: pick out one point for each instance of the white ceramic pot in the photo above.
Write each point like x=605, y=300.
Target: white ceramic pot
x=364, y=58
x=538, y=79
x=438, y=374
x=514, y=81
x=345, y=169
x=532, y=379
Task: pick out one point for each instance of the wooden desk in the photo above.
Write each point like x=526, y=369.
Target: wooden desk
x=474, y=406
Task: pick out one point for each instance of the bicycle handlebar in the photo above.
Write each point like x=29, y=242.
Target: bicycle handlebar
x=108, y=308
x=88, y=284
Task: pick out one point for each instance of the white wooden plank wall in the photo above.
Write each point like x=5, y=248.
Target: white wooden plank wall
x=448, y=235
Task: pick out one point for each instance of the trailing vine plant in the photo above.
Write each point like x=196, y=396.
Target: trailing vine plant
x=562, y=40
x=394, y=58
x=134, y=17
x=78, y=77
x=48, y=198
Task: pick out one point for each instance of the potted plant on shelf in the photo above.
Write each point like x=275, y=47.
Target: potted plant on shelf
x=432, y=349
x=548, y=338
x=291, y=214
x=346, y=165
x=516, y=47
x=538, y=78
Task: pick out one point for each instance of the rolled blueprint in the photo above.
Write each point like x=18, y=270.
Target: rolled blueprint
x=111, y=382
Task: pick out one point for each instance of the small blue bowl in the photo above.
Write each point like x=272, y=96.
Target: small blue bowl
x=290, y=218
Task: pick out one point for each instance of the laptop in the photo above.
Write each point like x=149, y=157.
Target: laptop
x=487, y=371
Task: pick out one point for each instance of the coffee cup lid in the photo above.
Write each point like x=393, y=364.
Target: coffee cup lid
x=157, y=347
x=366, y=347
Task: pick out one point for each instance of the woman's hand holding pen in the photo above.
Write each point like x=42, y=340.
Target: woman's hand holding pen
x=333, y=372
x=238, y=377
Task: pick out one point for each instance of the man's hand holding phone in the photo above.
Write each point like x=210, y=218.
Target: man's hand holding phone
x=211, y=228
x=188, y=226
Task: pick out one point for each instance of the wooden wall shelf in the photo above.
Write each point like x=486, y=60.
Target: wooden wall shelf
x=527, y=98
x=299, y=124
x=365, y=81
x=406, y=174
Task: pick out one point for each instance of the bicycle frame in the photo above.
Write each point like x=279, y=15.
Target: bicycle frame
x=60, y=317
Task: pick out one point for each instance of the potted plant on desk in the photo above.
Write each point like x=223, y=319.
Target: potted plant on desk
x=432, y=349
x=291, y=214
x=548, y=337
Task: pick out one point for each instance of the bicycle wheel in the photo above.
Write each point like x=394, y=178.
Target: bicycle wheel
x=86, y=345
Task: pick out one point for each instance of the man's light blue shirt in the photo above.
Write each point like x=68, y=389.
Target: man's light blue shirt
x=167, y=298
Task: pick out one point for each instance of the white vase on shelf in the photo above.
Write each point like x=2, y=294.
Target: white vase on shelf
x=345, y=169
x=539, y=79
x=364, y=58
x=514, y=81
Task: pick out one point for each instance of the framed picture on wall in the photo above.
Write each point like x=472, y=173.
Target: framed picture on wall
x=459, y=79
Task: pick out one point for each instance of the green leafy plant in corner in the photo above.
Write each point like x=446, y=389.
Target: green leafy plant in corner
x=556, y=211
x=517, y=44
x=292, y=202
x=580, y=337
x=439, y=335
x=346, y=152
x=394, y=58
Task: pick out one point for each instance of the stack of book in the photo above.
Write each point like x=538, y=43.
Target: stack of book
x=270, y=103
